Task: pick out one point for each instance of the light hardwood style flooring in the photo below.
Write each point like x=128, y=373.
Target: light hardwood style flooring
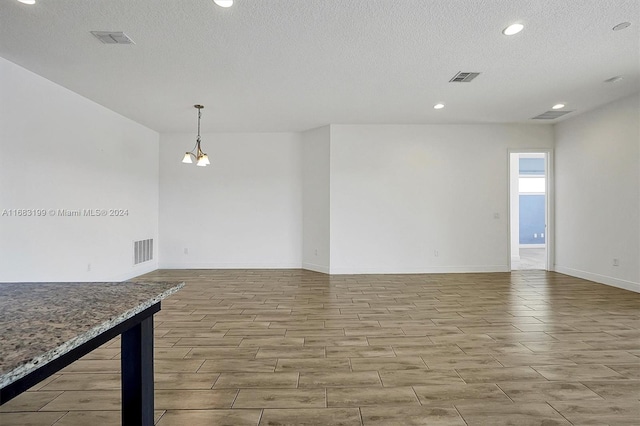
x=293, y=347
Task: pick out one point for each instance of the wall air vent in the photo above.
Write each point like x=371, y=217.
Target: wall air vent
x=464, y=77
x=142, y=251
x=112, y=37
x=550, y=115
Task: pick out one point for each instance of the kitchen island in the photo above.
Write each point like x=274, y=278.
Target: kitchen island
x=46, y=326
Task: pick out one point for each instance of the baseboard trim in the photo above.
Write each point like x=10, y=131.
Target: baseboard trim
x=136, y=272
x=97, y=278
x=229, y=265
x=420, y=270
x=341, y=271
x=315, y=268
x=600, y=279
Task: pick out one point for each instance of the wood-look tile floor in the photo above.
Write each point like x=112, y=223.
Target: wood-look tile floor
x=293, y=347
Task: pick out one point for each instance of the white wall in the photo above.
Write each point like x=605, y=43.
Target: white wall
x=242, y=211
x=315, y=198
x=399, y=193
x=59, y=150
x=597, y=198
x=368, y=198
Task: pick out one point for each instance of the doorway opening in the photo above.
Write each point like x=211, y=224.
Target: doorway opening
x=529, y=210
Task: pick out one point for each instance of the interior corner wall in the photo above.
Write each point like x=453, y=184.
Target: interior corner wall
x=60, y=151
x=315, y=199
x=423, y=198
x=597, y=203
x=242, y=211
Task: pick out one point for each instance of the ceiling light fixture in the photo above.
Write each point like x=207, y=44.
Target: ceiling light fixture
x=512, y=29
x=558, y=106
x=202, y=159
x=438, y=106
x=27, y=1
x=224, y=3
x=621, y=26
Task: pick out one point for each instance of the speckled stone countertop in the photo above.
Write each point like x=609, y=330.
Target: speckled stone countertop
x=39, y=322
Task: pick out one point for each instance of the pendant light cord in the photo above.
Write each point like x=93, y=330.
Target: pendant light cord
x=197, y=145
x=198, y=138
x=199, y=115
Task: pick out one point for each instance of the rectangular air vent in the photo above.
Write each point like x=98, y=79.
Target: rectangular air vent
x=464, y=77
x=112, y=37
x=550, y=115
x=142, y=251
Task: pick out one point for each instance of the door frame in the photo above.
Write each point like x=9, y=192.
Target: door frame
x=549, y=203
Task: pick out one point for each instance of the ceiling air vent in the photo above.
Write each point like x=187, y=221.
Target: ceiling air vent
x=550, y=115
x=464, y=77
x=112, y=37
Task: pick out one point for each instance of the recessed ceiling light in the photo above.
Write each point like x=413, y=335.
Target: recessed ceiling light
x=622, y=26
x=224, y=3
x=614, y=79
x=438, y=106
x=558, y=106
x=27, y=1
x=513, y=29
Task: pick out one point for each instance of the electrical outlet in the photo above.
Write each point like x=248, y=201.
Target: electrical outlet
x=186, y=250
x=616, y=262
x=88, y=267
x=436, y=253
x=316, y=252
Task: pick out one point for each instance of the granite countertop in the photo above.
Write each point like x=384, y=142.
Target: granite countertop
x=39, y=322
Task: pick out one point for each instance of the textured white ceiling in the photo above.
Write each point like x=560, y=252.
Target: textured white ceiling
x=281, y=65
